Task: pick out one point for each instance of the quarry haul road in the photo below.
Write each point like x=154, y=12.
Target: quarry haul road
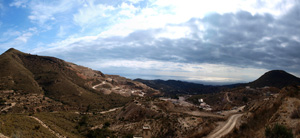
x=228, y=126
x=44, y=125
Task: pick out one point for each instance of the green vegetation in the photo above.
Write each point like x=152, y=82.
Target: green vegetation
x=278, y=131
x=100, y=133
x=62, y=122
x=20, y=125
x=245, y=99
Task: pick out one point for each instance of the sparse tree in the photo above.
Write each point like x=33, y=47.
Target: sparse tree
x=278, y=131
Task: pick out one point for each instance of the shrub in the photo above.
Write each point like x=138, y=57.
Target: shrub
x=100, y=133
x=83, y=120
x=296, y=113
x=106, y=86
x=245, y=99
x=278, y=131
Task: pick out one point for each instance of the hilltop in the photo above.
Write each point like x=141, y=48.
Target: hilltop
x=76, y=87
x=275, y=78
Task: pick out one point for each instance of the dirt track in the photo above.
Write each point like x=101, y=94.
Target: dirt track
x=203, y=114
x=227, y=127
x=3, y=136
x=44, y=125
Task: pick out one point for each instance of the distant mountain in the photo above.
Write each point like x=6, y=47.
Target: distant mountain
x=70, y=84
x=275, y=78
x=173, y=87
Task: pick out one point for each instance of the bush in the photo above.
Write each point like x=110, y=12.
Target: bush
x=106, y=86
x=245, y=99
x=278, y=131
x=83, y=121
x=296, y=113
x=100, y=133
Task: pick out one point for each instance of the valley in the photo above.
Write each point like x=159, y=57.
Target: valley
x=44, y=96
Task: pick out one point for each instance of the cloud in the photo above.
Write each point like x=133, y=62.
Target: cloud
x=155, y=42
x=134, y=1
x=92, y=13
x=19, y=3
x=42, y=12
x=17, y=39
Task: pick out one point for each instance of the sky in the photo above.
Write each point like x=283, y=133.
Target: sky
x=209, y=41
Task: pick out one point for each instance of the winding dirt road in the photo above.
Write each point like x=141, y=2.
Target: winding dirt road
x=94, y=87
x=227, y=97
x=228, y=127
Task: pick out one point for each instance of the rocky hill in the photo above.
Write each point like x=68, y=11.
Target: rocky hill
x=275, y=78
x=72, y=85
x=281, y=109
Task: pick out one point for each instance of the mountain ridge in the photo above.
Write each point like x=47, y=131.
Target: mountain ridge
x=65, y=82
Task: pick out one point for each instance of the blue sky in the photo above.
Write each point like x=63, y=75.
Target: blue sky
x=194, y=40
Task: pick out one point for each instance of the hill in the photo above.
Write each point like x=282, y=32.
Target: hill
x=275, y=78
x=76, y=87
x=173, y=87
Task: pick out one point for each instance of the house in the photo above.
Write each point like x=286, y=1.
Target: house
x=200, y=100
x=146, y=132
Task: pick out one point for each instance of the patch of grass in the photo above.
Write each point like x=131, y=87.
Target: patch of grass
x=61, y=122
x=20, y=125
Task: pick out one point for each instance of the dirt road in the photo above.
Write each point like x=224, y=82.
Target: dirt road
x=203, y=114
x=44, y=125
x=94, y=87
x=227, y=97
x=3, y=136
x=226, y=128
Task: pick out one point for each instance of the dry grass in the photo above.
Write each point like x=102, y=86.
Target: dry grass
x=20, y=125
x=61, y=122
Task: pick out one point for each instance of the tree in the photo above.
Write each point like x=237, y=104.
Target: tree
x=278, y=131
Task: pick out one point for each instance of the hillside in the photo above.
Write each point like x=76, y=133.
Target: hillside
x=275, y=78
x=282, y=108
x=76, y=87
x=174, y=87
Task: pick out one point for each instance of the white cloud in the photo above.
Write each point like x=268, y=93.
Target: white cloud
x=12, y=38
x=91, y=14
x=135, y=1
x=41, y=12
x=24, y=37
x=62, y=31
x=166, y=18
x=174, y=32
x=160, y=13
x=19, y=3
x=128, y=10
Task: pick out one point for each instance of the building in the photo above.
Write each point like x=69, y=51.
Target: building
x=146, y=131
